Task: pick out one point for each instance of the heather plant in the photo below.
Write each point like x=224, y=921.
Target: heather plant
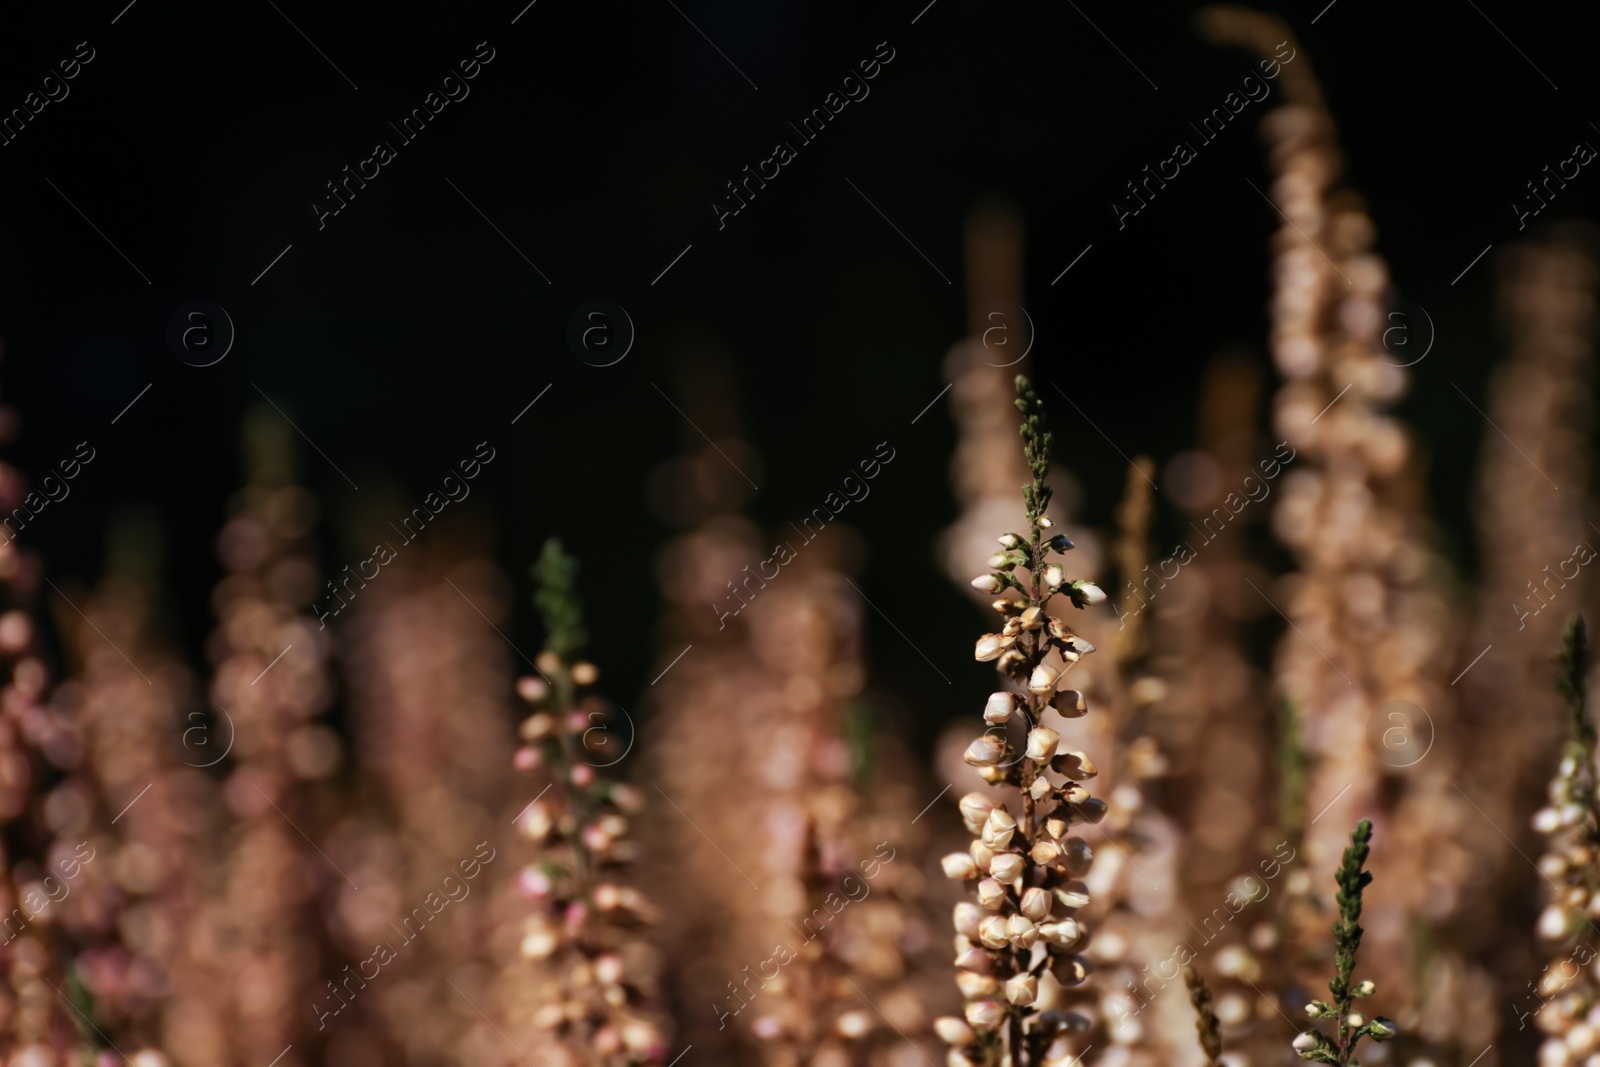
x=1350, y=1025
x=587, y=984
x=1019, y=935
x=1565, y=998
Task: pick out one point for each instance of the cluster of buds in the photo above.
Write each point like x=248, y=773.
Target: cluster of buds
x=1020, y=936
x=1568, y=992
x=598, y=1003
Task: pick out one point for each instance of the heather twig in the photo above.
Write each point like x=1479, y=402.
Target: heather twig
x=1021, y=930
x=1352, y=1026
x=1205, y=1023
x=593, y=984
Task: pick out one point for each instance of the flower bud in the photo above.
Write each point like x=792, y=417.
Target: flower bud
x=973, y=986
x=1364, y=988
x=988, y=648
x=854, y=1024
x=989, y=583
x=1306, y=1042
x=1054, y=576
x=1006, y=867
x=993, y=932
x=1043, y=679
x=532, y=689
x=1076, y=645
x=1022, y=989
x=993, y=775
x=1553, y=923
x=538, y=726
x=1091, y=810
x=984, y=752
x=985, y=1015
x=1075, y=765
x=1069, y=971
x=991, y=894
x=1000, y=561
x=1040, y=788
x=1355, y=1020
x=1070, y=704
x=1382, y=1029
x=1022, y=931
x=975, y=806
x=1005, y=606
x=535, y=822
x=585, y=673
x=953, y=1031
x=959, y=866
x=1063, y=933
x=1087, y=594
x=999, y=708
x=1060, y=543
x=998, y=828
x=975, y=960
x=967, y=918
x=1042, y=743
x=956, y=1058
x=1031, y=618
x=1073, y=895
x=981, y=853
x=1036, y=903
x=1010, y=540
x=1080, y=857
x=1046, y=853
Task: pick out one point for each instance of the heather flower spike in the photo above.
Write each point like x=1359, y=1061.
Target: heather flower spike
x=1570, y=825
x=1015, y=946
x=1352, y=1026
x=588, y=981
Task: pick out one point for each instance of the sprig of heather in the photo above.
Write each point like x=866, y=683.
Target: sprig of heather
x=1352, y=1026
x=596, y=992
x=1021, y=932
x=1206, y=1025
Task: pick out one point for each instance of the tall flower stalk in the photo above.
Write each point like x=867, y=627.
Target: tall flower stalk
x=1564, y=1000
x=1020, y=932
x=587, y=986
x=1350, y=1025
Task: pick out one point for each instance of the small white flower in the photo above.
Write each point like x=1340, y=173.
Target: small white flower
x=1043, y=679
x=1022, y=989
x=953, y=1031
x=988, y=583
x=1006, y=867
x=1090, y=593
x=984, y=752
x=1042, y=743
x=959, y=866
x=985, y=1015
x=999, y=708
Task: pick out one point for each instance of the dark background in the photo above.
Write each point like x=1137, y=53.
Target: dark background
x=408, y=330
